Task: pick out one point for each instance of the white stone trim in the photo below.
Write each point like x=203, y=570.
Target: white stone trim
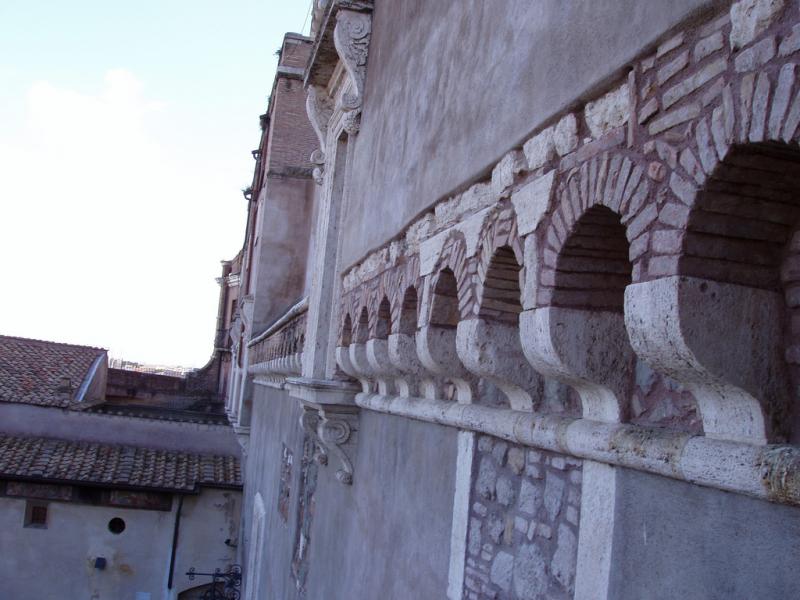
x=765, y=472
x=596, y=531
x=460, y=527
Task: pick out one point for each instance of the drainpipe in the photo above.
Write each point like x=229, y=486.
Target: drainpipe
x=174, y=542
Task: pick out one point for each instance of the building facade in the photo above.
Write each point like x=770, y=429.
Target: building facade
x=528, y=324
x=113, y=483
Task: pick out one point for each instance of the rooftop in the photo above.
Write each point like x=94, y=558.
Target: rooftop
x=86, y=463
x=43, y=373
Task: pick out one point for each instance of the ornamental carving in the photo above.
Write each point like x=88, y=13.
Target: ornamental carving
x=351, y=38
x=319, y=109
x=331, y=432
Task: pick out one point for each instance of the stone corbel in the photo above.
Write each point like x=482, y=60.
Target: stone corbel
x=414, y=379
x=588, y=350
x=360, y=363
x=383, y=370
x=351, y=38
x=436, y=349
x=309, y=420
x=333, y=433
x=353, y=361
x=319, y=108
x=493, y=351
x=724, y=343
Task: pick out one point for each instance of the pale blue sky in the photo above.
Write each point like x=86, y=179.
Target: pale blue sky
x=125, y=138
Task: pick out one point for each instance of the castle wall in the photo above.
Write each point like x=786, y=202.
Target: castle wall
x=579, y=290
x=451, y=86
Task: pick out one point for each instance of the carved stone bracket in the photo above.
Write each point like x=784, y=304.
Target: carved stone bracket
x=351, y=37
x=309, y=421
x=330, y=418
x=333, y=432
x=319, y=108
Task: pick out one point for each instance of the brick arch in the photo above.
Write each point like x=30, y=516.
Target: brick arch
x=452, y=261
x=728, y=211
x=498, y=268
x=346, y=333
x=408, y=312
x=361, y=329
x=383, y=323
x=601, y=216
x=404, y=276
x=732, y=197
x=444, y=309
x=751, y=122
x=739, y=225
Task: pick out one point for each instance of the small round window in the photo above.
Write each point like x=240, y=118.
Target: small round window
x=116, y=525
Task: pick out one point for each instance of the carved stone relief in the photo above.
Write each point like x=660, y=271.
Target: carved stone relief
x=351, y=38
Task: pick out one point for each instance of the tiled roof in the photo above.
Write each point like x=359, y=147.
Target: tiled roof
x=35, y=371
x=87, y=463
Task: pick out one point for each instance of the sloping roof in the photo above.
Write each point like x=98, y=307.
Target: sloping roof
x=35, y=371
x=87, y=463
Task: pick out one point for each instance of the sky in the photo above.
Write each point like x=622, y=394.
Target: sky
x=125, y=138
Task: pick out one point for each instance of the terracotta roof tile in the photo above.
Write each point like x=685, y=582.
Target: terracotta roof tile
x=34, y=371
x=53, y=460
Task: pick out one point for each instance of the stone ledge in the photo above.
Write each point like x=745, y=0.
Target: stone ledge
x=769, y=473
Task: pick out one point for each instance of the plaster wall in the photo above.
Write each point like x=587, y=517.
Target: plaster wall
x=452, y=86
x=207, y=520
x=25, y=419
x=274, y=424
x=281, y=251
x=59, y=561
x=387, y=535
x=676, y=540
x=137, y=559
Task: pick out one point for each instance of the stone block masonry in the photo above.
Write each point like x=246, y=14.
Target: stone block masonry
x=523, y=527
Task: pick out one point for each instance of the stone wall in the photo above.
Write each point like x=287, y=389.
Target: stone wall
x=523, y=525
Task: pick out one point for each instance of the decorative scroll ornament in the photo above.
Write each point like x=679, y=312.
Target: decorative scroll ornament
x=319, y=109
x=351, y=122
x=351, y=38
x=309, y=421
x=330, y=433
x=335, y=433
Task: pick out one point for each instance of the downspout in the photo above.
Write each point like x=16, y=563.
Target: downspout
x=174, y=542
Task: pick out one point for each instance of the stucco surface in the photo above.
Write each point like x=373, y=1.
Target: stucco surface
x=137, y=559
x=387, y=535
x=451, y=86
x=274, y=424
x=285, y=223
x=676, y=540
